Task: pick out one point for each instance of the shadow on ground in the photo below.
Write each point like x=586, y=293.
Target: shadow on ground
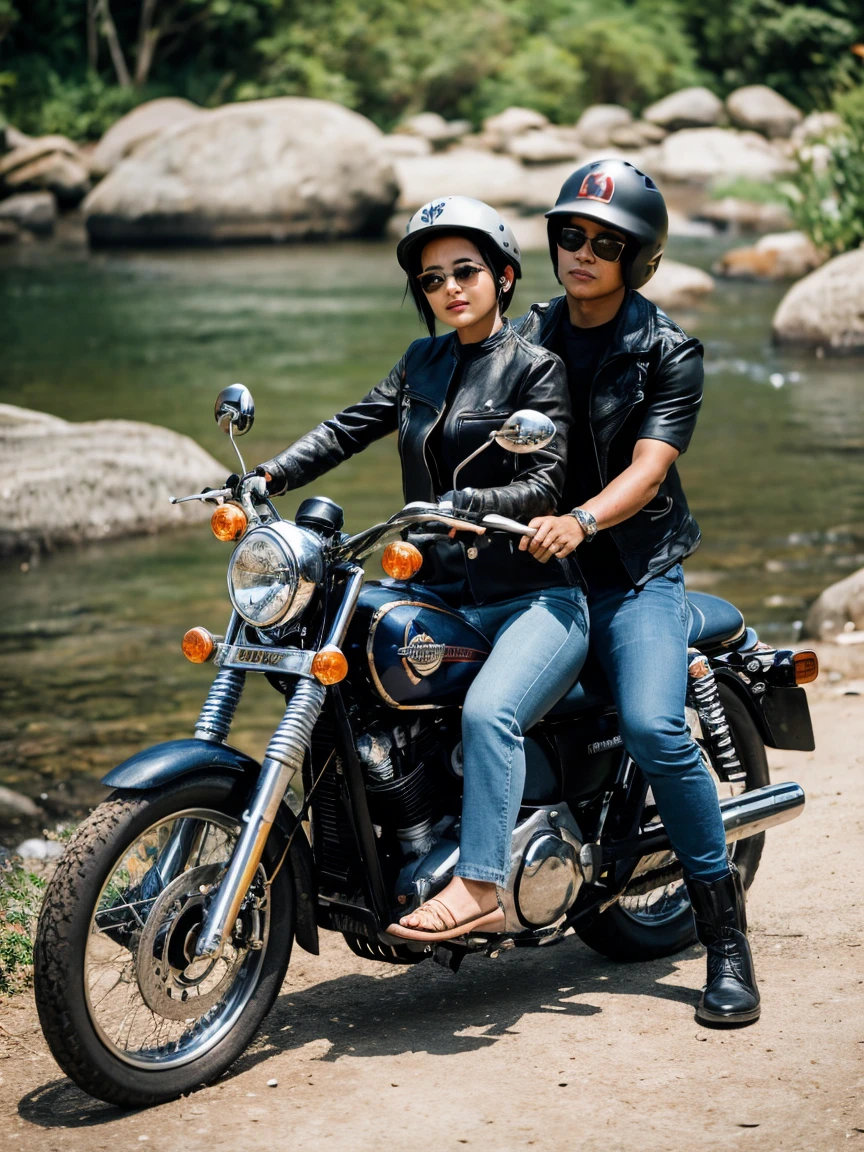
x=420, y=1009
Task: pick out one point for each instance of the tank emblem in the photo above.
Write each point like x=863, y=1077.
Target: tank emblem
x=597, y=186
x=426, y=657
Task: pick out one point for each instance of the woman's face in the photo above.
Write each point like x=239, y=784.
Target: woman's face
x=470, y=305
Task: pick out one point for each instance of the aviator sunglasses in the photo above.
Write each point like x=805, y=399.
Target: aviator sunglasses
x=603, y=247
x=464, y=274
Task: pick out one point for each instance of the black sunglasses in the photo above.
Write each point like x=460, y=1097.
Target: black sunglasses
x=603, y=247
x=464, y=274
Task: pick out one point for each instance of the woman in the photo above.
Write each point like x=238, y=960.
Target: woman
x=444, y=397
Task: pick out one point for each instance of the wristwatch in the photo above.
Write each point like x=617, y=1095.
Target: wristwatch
x=586, y=522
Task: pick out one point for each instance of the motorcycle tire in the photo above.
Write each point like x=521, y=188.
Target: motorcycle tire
x=100, y=847
x=625, y=936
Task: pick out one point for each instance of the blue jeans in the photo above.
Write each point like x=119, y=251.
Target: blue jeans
x=640, y=639
x=540, y=641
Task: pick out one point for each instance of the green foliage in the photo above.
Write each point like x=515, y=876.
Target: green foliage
x=826, y=195
x=20, y=899
x=756, y=191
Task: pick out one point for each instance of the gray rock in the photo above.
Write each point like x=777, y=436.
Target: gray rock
x=11, y=138
x=737, y=215
x=761, y=109
x=285, y=169
x=138, y=126
x=545, y=146
x=14, y=804
x=700, y=155
x=499, y=180
x=64, y=176
x=689, y=108
x=816, y=126
x=35, y=211
x=131, y=470
x=840, y=604
x=36, y=849
x=637, y=135
x=676, y=286
x=9, y=231
x=598, y=122
x=398, y=146
x=824, y=309
x=437, y=131
x=499, y=130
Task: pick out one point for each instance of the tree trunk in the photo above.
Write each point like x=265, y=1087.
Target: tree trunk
x=92, y=36
x=148, y=38
x=109, y=31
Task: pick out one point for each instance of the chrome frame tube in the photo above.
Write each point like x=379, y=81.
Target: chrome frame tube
x=346, y=609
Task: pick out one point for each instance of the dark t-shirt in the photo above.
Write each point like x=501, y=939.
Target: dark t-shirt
x=582, y=349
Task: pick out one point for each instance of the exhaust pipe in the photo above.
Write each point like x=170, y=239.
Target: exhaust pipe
x=744, y=815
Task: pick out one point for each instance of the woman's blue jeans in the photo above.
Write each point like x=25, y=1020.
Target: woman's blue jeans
x=540, y=641
x=640, y=638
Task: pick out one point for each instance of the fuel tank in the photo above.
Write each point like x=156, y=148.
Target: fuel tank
x=414, y=649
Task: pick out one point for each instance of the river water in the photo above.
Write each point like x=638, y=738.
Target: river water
x=90, y=667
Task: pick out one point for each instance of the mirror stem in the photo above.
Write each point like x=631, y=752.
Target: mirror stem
x=237, y=450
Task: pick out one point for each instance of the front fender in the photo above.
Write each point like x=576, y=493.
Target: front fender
x=162, y=763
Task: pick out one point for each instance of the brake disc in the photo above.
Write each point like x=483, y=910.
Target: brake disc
x=173, y=983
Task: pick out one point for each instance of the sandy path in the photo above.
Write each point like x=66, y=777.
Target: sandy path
x=548, y=1049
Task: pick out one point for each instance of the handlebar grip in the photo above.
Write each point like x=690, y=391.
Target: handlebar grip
x=504, y=524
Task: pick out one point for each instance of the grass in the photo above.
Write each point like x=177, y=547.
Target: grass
x=20, y=899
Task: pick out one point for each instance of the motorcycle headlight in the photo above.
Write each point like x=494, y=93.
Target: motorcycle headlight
x=273, y=573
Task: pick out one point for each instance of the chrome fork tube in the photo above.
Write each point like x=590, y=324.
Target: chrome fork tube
x=284, y=758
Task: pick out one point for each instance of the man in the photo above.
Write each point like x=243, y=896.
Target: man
x=636, y=384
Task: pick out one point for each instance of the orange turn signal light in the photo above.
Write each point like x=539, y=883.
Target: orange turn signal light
x=806, y=665
x=401, y=560
x=198, y=645
x=228, y=522
x=329, y=666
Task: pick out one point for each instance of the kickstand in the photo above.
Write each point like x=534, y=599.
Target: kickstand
x=449, y=956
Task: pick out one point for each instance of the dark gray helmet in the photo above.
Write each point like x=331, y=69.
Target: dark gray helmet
x=613, y=192
x=462, y=216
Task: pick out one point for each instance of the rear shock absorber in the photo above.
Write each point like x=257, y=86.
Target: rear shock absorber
x=705, y=698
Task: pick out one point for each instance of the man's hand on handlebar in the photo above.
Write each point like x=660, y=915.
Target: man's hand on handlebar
x=554, y=538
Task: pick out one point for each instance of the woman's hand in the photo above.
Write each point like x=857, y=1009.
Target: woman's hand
x=556, y=536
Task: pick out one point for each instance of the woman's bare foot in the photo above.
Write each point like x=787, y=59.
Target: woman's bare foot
x=463, y=899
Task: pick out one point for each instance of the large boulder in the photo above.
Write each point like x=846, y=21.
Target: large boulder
x=597, y=123
x=700, y=155
x=138, y=126
x=498, y=180
x=499, y=130
x=839, y=605
x=47, y=164
x=284, y=169
x=65, y=483
x=677, y=286
x=823, y=310
x=689, y=108
x=35, y=211
x=761, y=109
x=777, y=256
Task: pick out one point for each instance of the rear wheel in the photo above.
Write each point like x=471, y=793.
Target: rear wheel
x=657, y=923
x=127, y=1010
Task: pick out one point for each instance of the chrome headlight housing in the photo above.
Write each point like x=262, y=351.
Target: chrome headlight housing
x=273, y=573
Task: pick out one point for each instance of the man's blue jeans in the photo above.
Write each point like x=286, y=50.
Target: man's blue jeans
x=540, y=641
x=640, y=639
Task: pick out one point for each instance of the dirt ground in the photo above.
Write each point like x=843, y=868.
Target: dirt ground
x=547, y=1049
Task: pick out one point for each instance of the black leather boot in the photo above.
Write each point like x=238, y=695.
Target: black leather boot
x=730, y=996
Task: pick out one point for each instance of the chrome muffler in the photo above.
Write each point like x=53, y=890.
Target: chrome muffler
x=744, y=815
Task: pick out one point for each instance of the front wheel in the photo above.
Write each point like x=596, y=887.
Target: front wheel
x=660, y=923
x=128, y=1012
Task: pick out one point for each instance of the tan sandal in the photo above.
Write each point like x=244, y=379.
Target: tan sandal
x=487, y=922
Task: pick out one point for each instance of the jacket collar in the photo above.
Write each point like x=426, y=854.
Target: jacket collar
x=634, y=334
x=467, y=352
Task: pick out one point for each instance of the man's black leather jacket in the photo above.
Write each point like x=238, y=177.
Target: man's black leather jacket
x=648, y=385
x=476, y=387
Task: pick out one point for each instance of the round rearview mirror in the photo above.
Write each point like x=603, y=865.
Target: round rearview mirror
x=235, y=409
x=525, y=431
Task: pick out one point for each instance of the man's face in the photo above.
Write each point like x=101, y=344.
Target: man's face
x=583, y=275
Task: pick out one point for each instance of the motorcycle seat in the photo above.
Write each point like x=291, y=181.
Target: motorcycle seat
x=715, y=626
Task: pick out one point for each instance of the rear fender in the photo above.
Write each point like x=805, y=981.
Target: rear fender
x=163, y=763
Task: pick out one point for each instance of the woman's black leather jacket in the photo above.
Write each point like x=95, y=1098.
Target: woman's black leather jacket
x=473, y=388
x=647, y=386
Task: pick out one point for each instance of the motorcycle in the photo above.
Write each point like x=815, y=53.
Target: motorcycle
x=167, y=928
